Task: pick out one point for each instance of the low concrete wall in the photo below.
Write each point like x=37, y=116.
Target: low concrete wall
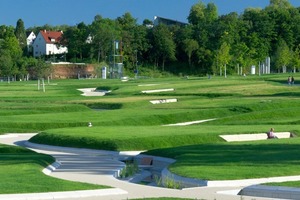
x=163, y=101
x=158, y=163
x=183, y=182
x=252, y=137
x=271, y=192
x=160, y=90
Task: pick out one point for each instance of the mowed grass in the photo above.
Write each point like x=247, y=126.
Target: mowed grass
x=21, y=172
x=131, y=122
x=238, y=160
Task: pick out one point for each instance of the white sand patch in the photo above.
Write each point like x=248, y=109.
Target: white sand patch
x=93, y=92
x=190, y=123
x=163, y=101
x=253, y=137
x=160, y=90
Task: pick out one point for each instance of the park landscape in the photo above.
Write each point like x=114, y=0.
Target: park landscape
x=168, y=89
x=125, y=120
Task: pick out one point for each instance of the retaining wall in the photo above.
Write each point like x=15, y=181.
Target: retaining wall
x=271, y=192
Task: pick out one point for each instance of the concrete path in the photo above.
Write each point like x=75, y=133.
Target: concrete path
x=99, y=167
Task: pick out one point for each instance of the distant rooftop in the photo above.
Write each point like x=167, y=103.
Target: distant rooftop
x=160, y=20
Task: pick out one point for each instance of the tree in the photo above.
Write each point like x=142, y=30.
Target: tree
x=76, y=39
x=280, y=13
x=240, y=55
x=133, y=38
x=128, y=25
x=140, y=43
x=282, y=56
x=20, y=34
x=148, y=22
x=296, y=59
x=25, y=65
x=10, y=51
x=203, y=14
x=197, y=13
x=203, y=19
x=163, y=44
x=41, y=68
x=190, y=46
x=223, y=57
x=280, y=4
x=6, y=64
x=103, y=33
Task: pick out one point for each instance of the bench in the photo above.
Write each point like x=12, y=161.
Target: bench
x=253, y=137
x=146, y=163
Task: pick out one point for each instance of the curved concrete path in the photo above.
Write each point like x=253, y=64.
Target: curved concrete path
x=99, y=167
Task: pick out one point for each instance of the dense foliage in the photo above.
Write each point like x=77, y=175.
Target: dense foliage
x=209, y=43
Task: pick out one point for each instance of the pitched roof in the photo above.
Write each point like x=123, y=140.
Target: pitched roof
x=51, y=36
x=28, y=33
x=161, y=20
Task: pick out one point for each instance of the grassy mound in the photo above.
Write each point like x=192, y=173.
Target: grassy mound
x=125, y=120
x=21, y=172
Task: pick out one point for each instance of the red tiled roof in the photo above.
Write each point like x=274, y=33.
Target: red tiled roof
x=51, y=36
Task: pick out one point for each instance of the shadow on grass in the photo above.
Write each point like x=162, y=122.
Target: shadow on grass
x=26, y=158
x=219, y=154
x=105, y=106
x=208, y=95
x=287, y=94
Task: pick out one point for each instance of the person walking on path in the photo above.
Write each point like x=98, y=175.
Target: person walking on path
x=289, y=80
x=292, y=80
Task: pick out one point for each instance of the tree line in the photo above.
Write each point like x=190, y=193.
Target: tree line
x=205, y=45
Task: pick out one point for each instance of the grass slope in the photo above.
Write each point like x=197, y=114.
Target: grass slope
x=130, y=122
x=21, y=172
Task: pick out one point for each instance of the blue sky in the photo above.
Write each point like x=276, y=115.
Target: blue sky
x=72, y=12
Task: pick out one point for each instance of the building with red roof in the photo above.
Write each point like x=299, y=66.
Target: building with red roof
x=48, y=43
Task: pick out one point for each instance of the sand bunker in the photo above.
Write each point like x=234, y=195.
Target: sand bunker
x=190, y=123
x=93, y=92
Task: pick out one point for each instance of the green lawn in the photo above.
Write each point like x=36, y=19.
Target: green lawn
x=236, y=160
x=125, y=120
x=21, y=172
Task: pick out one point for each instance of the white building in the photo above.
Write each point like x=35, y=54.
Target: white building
x=30, y=37
x=47, y=43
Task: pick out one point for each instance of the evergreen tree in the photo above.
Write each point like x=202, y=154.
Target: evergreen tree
x=20, y=34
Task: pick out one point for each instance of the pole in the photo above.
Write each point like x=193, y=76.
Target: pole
x=99, y=53
x=43, y=82
x=114, y=58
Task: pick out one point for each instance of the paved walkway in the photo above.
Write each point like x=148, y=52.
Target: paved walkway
x=99, y=167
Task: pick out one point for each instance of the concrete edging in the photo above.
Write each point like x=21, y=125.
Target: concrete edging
x=48, y=170
x=271, y=192
x=63, y=195
x=253, y=137
x=182, y=181
x=155, y=91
